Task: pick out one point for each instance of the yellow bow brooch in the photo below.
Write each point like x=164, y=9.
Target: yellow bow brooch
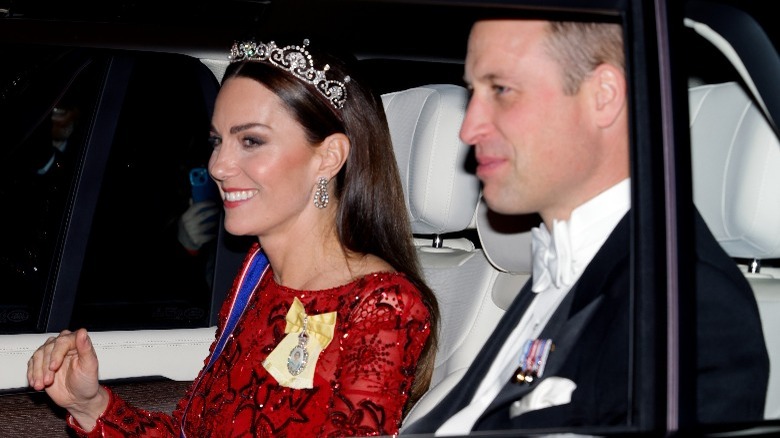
x=293, y=361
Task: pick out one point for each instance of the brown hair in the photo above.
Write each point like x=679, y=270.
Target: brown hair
x=579, y=47
x=372, y=217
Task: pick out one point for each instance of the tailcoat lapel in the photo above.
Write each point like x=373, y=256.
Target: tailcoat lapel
x=564, y=332
x=568, y=323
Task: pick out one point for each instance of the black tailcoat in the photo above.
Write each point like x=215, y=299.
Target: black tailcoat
x=591, y=332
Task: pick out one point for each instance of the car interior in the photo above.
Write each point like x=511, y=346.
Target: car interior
x=736, y=191
x=475, y=260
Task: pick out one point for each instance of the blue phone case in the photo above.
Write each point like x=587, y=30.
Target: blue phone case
x=203, y=187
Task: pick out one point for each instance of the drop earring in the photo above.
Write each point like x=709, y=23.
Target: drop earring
x=321, y=197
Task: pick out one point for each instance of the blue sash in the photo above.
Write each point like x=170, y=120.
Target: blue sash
x=248, y=280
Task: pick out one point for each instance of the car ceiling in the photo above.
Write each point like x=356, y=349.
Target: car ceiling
x=387, y=28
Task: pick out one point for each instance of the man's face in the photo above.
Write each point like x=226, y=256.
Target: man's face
x=532, y=142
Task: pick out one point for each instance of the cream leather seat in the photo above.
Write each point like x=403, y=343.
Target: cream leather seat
x=442, y=198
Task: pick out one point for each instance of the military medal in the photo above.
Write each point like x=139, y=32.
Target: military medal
x=299, y=355
x=533, y=360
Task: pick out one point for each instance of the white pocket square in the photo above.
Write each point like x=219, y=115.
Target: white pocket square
x=552, y=391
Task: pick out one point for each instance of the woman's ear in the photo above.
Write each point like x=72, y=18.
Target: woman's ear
x=334, y=150
x=609, y=88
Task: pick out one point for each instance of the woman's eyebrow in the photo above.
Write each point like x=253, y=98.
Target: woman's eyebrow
x=238, y=128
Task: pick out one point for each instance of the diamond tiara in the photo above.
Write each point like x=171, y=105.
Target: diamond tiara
x=296, y=60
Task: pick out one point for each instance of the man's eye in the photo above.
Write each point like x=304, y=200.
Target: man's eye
x=499, y=89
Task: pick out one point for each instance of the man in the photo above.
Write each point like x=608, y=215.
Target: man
x=548, y=118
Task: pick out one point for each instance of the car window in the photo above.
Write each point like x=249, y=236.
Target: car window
x=136, y=274
x=45, y=106
x=735, y=152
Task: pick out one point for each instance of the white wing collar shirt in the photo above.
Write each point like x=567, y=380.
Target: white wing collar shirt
x=559, y=259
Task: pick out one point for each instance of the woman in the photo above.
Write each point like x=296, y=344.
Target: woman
x=329, y=329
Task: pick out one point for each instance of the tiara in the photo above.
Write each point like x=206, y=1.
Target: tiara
x=296, y=60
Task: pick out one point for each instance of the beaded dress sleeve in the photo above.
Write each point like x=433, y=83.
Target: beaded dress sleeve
x=121, y=419
x=381, y=345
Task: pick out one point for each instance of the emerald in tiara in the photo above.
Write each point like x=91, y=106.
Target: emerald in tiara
x=297, y=61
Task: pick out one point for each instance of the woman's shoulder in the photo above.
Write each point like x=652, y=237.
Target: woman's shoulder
x=379, y=274
x=384, y=279
x=389, y=288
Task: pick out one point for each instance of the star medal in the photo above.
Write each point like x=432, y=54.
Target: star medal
x=299, y=356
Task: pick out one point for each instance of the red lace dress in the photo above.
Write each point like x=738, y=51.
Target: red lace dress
x=361, y=380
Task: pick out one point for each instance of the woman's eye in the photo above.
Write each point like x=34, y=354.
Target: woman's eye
x=250, y=141
x=214, y=140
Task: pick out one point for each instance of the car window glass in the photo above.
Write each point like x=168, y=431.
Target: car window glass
x=46, y=101
x=136, y=274
x=733, y=152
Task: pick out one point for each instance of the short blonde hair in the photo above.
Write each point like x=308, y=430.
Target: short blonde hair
x=580, y=47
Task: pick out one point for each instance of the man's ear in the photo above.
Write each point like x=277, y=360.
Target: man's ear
x=609, y=90
x=334, y=150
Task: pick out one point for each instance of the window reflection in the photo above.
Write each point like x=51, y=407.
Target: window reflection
x=44, y=138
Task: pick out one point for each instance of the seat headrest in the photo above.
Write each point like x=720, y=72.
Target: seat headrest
x=736, y=176
x=506, y=239
x=441, y=195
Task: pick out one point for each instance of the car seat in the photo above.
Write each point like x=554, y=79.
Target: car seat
x=442, y=197
x=736, y=179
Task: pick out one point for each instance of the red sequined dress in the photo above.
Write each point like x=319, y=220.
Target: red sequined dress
x=361, y=380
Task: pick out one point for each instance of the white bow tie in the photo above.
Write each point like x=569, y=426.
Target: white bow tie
x=553, y=264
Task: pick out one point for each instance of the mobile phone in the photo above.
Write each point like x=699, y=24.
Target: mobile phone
x=203, y=187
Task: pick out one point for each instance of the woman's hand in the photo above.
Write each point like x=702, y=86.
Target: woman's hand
x=66, y=366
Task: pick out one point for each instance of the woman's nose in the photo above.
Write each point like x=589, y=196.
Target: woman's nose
x=221, y=165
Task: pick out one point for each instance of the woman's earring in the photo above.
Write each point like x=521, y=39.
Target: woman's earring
x=321, y=197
